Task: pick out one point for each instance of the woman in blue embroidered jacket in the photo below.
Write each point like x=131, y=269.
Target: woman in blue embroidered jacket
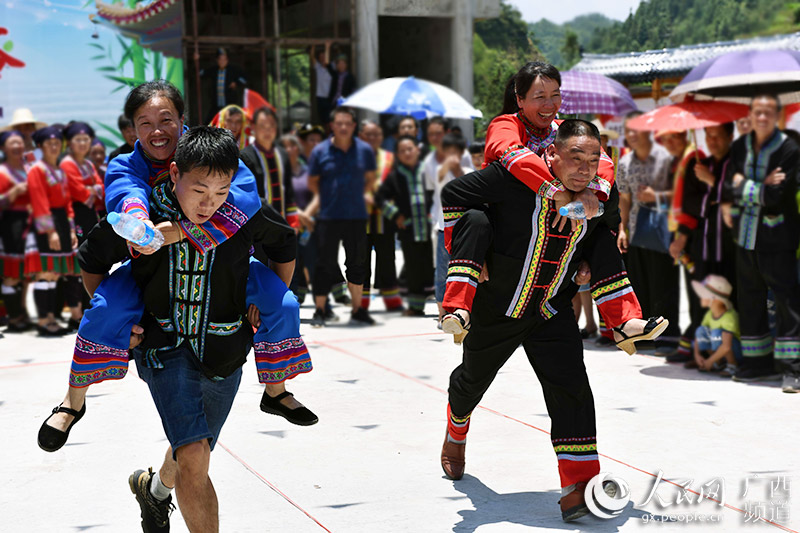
x=101, y=347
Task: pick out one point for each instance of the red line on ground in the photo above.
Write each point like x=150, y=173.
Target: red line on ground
x=503, y=415
x=43, y=363
x=270, y=485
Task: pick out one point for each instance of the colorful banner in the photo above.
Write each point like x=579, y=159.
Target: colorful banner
x=77, y=59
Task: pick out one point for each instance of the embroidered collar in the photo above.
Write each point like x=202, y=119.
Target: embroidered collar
x=541, y=133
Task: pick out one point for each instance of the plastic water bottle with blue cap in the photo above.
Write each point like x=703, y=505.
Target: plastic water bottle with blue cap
x=576, y=211
x=135, y=230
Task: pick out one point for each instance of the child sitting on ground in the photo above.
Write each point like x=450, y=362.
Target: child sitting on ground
x=716, y=344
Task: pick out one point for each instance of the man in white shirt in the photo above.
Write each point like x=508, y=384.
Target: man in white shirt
x=320, y=60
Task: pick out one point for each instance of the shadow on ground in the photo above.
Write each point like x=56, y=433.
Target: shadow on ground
x=676, y=371
x=533, y=509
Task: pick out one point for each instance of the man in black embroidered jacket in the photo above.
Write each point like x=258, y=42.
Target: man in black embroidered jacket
x=196, y=334
x=527, y=301
x=762, y=184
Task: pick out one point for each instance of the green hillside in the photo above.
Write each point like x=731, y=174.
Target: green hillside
x=551, y=37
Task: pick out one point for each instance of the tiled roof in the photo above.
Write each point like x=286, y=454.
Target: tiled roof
x=636, y=67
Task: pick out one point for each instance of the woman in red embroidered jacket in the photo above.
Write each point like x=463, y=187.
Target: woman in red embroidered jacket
x=54, y=221
x=17, y=259
x=86, y=192
x=517, y=139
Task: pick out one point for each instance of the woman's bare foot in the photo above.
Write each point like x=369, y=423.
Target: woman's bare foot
x=74, y=400
x=276, y=389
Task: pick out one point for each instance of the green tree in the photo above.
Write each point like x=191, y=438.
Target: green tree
x=571, y=50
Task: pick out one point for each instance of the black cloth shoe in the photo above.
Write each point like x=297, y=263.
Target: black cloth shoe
x=302, y=416
x=50, y=331
x=51, y=439
x=678, y=357
x=791, y=382
x=413, y=312
x=361, y=318
x=73, y=325
x=155, y=513
x=604, y=342
x=18, y=327
x=318, y=320
x=330, y=316
x=747, y=373
x=343, y=299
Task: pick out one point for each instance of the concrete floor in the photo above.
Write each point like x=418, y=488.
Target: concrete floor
x=372, y=462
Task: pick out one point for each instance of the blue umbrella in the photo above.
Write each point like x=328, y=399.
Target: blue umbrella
x=411, y=96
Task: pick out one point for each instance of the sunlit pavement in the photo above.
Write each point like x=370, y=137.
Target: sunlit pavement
x=372, y=462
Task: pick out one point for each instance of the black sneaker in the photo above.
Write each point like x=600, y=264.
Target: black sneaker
x=791, y=382
x=318, y=320
x=342, y=299
x=746, y=374
x=330, y=316
x=361, y=317
x=155, y=514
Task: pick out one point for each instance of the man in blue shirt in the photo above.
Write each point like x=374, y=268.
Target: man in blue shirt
x=341, y=174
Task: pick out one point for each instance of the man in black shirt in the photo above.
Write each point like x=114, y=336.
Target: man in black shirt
x=196, y=334
x=128, y=133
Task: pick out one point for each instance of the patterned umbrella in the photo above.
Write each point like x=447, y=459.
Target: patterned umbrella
x=587, y=92
x=738, y=76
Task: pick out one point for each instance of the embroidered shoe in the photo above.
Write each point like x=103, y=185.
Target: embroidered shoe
x=155, y=513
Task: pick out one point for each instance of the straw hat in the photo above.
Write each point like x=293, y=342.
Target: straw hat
x=23, y=115
x=611, y=134
x=714, y=287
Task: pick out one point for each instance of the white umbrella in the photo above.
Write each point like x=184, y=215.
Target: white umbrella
x=411, y=96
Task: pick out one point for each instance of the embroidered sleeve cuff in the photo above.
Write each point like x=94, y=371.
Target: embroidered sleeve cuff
x=549, y=189
x=136, y=208
x=44, y=224
x=752, y=193
x=601, y=186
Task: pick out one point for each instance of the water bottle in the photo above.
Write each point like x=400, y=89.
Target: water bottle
x=135, y=230
x=304, y=237
x=575, y=210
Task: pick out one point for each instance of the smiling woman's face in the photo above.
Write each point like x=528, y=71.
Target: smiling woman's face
x=158, y=127
x=542, y=101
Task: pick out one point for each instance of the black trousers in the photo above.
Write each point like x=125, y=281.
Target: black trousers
x=656, y=279
x=759, y=271
x=352, y=234
x=385, y=267
x=419, y=269
x=555, y=351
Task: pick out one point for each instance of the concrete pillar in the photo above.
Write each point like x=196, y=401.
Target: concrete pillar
x=461, y=65
x=367, y=41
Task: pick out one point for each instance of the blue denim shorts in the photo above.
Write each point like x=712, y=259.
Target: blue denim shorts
x=192, y=407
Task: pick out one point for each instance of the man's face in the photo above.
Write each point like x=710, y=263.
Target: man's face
x=764, y=115
x=372, y=135
x=477, y=160
x=199, y=192
x=341, y=65
x=222, y=61
x=675, y=143
x=575, y=163
x=129, y=134
x=408, y=153
x=407, y=126
x=343, y=126
x=542, y=102
x=435, y=135
x=744, y=125
x=718, y=141
x=158, y=127
x=636, y=139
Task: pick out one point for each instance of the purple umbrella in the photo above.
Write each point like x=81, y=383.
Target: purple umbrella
x=738, y=76
x=587, y=92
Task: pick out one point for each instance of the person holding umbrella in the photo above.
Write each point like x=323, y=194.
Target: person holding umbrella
x=761, y=207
